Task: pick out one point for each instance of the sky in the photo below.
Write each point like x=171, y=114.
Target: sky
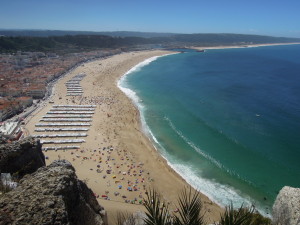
x=264, y=17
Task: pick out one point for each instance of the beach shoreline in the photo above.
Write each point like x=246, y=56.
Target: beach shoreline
x=241, y=46
x=116, y=141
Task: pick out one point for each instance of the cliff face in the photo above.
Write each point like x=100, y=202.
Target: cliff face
x=286, y=209
x=22, y=157
x=52, y=195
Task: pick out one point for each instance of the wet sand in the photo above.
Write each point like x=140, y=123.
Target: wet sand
x=116, y=155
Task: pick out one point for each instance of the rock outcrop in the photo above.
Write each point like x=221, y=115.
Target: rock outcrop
x=139, y=218
x=22, y=157
x=2, y=140
x=52, y=195
x=286, y=209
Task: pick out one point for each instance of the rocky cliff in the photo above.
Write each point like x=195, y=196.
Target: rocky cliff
x=51, y=195
x=22, y=157
x=286, y=209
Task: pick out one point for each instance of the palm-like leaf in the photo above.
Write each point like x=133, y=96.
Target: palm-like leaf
x=242, y=216
x=156, y=215
x=190, y=207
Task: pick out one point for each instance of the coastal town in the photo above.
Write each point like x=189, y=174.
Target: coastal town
x=26, y=78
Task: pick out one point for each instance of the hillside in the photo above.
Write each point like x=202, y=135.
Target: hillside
x=79, y=43
x=49, y=33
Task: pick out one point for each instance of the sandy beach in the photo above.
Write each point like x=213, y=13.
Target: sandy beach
x=117, y=161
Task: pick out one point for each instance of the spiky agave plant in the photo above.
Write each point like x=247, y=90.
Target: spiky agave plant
x=157, y=211
x=125, y=218
x=190, y=209
x=242, y=216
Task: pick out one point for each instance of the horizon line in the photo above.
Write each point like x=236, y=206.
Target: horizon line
x=155, y=32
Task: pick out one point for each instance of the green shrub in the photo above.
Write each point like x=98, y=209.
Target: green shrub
x=189, y=209
x=243, y=216
x=190, y=212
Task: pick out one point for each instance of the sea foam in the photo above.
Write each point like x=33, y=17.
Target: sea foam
x=219, y=193
x=123, y=86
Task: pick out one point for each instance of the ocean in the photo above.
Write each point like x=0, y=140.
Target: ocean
x=227, y=120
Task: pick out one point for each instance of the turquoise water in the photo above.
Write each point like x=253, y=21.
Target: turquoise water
x=227, y=120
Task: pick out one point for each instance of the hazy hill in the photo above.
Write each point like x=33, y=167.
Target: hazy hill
x=203, y=37
x=83, y=42
x=48, y=33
